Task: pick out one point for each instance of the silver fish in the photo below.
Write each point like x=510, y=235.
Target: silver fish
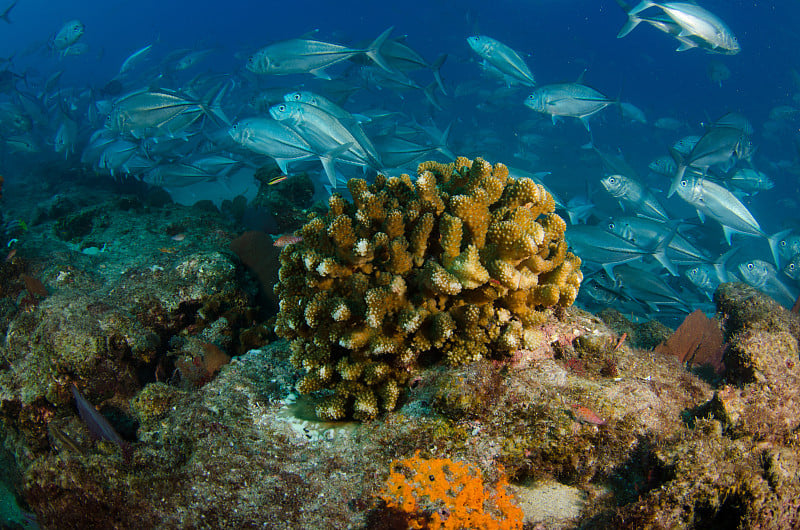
x=272, y=138
x=698, y=27
x=718, y=72
x=325, y=133
x=764, y=276
x=177, y=175
x=133, y=59
x=66, y=137
x=789, y=246
x=190, y=59
x=304, y=96
x=396, y=151
x=648, y=232
x=579, y=209
x=401, y=57
x=715, y=201
x=154, y=112
x=503, y=59
x=685, y=144
x=568, y=99
x=750, y=180
x=616, y=164
x=721, y=146
x=633, y=113
x=704, y=277
x=115, y=155
x=348, y=120
x=300, y=56
x=634, y=197
x=597, y=245
x=663, y=165
x=735, y=121
x=792, y=269
x=648, y=288
x=68, y=35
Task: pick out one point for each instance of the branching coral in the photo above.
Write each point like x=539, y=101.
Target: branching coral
x=457, y=265
x=442, y=493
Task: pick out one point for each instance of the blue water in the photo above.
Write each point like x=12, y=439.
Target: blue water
x=560, y=40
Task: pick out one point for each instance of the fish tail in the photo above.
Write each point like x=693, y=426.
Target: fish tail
x=632, y=22
x=721, y=265
x=328, y=160
x=633, y=19
x=437, y=75
x=676, y=180
x=442, y=143
x=374, y=51
x=5, y=13
x=213, y=107
x=660, y=252
x=428, y=91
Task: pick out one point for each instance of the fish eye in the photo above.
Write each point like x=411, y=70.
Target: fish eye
x=297, y=96
x=611, y=226
x=684, y=183
x=611, y=180
x=782, y=243
x=281, y=108
x=749, y=266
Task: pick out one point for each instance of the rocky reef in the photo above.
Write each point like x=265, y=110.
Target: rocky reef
x=455, y=266
x=585, y=427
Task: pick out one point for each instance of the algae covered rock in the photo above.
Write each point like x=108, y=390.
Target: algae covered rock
x=453, y=266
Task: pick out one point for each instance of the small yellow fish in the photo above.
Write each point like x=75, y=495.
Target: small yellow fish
x=276, y=180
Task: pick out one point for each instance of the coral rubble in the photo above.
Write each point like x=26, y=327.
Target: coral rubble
x=457, y=264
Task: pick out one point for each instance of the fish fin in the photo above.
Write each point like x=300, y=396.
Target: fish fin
x=720, y=266
x=663, y=259
x=573, y=217
x=428, y=91
x=728, y=233
x=328, y=159
x=650, y=305
x=660, y=250
x=320, y=73
x=774, y=241
x=701, y=216
x=282, y=164
x=374, y=51
x=685, y=45
x=609, y=268
x=641, y=6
